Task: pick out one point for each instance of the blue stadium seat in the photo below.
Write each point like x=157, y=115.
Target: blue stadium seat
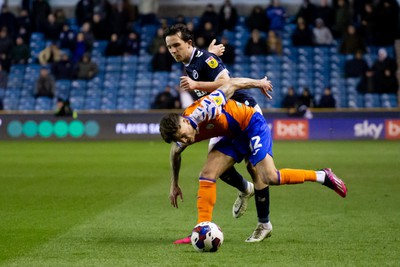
x=26, y=103
x=44, y=103
x=77, y=102
x=372, y=101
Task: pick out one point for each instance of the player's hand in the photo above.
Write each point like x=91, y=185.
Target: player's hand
x=186, y=83
x=266, y=87
x=216, y=49
x=174, y=193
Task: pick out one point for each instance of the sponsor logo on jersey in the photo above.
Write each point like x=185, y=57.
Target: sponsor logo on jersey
x=199, y=54
x=210, y=126
x=212, y=62
x=195, y=74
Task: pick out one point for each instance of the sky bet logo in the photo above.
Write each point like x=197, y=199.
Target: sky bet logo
x=392, y=129
x=291, y=129
x=367, y=129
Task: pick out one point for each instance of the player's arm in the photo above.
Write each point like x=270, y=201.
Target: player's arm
x=188, y=84
x=175, y=161
x=235, y=84
x=211, y=106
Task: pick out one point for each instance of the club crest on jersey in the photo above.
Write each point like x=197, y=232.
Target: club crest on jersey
x=218, y=100
x=212, y=62
x=195, y=74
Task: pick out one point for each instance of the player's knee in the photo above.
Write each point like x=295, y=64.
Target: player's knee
x=270, y=177
x=210, y=174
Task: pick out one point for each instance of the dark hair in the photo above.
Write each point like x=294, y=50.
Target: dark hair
x=169, y=125
x=186, y=35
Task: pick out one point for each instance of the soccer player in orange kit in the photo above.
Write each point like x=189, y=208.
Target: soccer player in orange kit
x=246, y=135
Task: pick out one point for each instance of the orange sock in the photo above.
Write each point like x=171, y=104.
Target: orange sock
x=206, y=197
x=293, y=176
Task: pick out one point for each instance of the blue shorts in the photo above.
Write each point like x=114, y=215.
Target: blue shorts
x=254, y=143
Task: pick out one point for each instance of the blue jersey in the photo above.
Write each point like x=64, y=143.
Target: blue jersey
x=206, y=67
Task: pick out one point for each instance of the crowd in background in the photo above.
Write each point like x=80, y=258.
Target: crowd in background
x=351, y=26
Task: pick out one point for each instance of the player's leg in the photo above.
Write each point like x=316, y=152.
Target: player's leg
x=270, y=175
x=216, y=164
x=235, y=179
x=264, y=227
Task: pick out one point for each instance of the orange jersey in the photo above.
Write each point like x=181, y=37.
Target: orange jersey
x=233, y=117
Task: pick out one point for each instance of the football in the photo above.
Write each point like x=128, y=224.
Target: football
x=207, y=237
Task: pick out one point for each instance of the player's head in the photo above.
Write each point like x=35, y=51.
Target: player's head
x=179, y=41
x=174, y=127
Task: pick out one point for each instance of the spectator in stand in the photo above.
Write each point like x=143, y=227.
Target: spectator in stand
x=302, y=34
x=114, y=47
x=327, y=100
x=132, y=10
x=307, y=11
x=228, y=17
x=20, y=52
x=352, y=42
x=103, y=8
x=274, y=44
x=306, y=98
x=80, y=47
x=67, y=38
x=63, y=69
x=343, y=17
x=88, y=35
x=209, y=33
x=290, y=100
x=321, y=34
x=60, y=16
x=157, y=41
x=162, y=60
x=52, y=29
x=256, y=45
x=5, y=62
x=166, y=100
x=326, y=12
x=209, y=15
x=200, y=42
x=119, y=19
x=24, y=21
x=3, y=78
x=356, y=67
x=384, y=73
x=368, y=24
x=387, y=22
x=84, y=11
x=6, y=43
x=148, y=10
x=132, y=44
x=228, y=57
x=6, y=46
x=86, y=69
x=277, y=17
x=39, y=13
x=50, y=54
x=8, y=20
x=257, y=20
x=45, y=85
x=100, y=28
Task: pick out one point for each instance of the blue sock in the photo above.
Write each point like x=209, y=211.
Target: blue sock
x=262, y=204
x=233, y=178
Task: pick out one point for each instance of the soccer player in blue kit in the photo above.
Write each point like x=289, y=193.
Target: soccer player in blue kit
x=205, y=73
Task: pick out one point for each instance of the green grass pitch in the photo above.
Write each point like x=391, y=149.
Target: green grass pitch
x=106, y=204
